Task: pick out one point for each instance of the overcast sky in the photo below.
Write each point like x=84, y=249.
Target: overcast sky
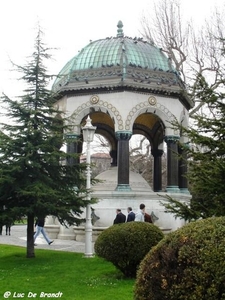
x=69, y=25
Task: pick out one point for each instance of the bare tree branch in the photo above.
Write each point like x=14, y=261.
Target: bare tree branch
x=192, y=49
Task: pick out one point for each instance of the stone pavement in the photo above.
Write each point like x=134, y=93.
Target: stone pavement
x=18, y=238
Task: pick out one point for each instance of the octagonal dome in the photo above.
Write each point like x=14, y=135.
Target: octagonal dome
x=120, y=62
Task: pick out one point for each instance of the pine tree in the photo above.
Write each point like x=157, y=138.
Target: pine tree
x=206, y=156
x=34, y=178
x=207, y=163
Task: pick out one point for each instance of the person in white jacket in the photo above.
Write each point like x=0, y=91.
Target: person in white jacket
x=140, y=215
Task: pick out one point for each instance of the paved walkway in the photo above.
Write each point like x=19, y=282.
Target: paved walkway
x=18, y=238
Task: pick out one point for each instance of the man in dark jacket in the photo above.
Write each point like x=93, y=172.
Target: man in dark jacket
x=131, y=215
x=120, y=217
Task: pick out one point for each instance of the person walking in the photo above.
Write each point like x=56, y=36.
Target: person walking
x=140, y=215
x=40, y=223
x=131, y=214
x=120, y=217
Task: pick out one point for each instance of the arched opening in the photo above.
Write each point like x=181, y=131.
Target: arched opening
x=151, y=127
x=105, y=140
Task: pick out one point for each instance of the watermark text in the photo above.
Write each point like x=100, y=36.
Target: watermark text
x=20, y=295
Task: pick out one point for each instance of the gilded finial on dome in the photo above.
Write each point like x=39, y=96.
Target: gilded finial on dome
x=120, y=29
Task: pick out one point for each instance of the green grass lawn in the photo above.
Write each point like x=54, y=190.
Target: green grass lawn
x=76, y=277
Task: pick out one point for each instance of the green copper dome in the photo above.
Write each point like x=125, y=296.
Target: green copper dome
x=119, y=63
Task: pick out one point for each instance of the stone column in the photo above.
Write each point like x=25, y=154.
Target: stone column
x=157, y=171
x=172, y=163
x=73, y=147
x=123, y=162
x=183, y=182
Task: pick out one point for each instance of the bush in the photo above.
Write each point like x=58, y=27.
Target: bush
x=126, y=244
x=188, y=264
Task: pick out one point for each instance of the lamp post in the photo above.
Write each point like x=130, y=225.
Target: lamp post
x=88, y=136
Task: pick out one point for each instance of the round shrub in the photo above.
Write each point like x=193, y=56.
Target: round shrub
x=126, y=244
x=188, y=264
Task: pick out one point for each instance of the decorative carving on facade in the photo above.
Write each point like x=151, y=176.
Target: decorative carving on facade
x=135, y=112
x=72, y=136
x=123, y=135
x=172, y=138
x=94, y=99
x=103, y=106
x=169, y=81
x=154, y=76
x=152, y=100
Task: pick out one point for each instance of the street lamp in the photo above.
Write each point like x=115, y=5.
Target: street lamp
x=88, y=136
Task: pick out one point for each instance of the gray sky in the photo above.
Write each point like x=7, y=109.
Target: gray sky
x=69, y=25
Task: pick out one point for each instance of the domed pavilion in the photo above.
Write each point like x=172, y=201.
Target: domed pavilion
x=128, y=86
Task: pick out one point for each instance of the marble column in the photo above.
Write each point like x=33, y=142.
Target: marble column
x=123, y=162
x=157, y=170
x=172, y=164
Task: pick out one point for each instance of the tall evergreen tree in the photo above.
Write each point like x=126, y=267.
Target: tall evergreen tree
x=206, y=153
x=34, y=178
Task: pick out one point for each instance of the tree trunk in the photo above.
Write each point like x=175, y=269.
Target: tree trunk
x=30, y=236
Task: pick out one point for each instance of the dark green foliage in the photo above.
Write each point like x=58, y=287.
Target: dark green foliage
x=126, y=244
x=180, y=209
x=5, y=217
x=206, y=159
x=34, y=177
x=206, y=154
x=188, y=264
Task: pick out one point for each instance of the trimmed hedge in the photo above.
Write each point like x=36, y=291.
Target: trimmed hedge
x=188, y=264
x=126, y=244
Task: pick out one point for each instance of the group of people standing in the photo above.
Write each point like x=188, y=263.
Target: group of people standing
x=140, y=215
